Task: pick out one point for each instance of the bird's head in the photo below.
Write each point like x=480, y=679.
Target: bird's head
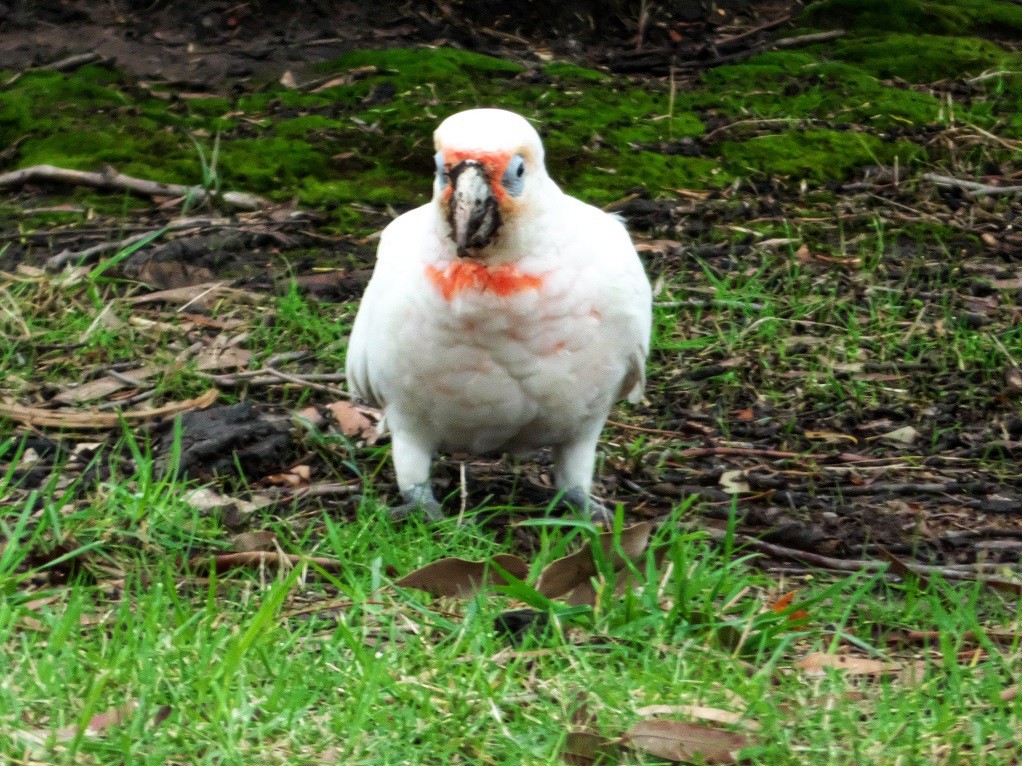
x=489, y=169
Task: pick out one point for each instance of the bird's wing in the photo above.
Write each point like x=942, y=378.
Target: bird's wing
x=607, y=253
x=381, y=305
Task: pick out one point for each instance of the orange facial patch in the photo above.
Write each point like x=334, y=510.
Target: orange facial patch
x=494, y=163
x=468, y=276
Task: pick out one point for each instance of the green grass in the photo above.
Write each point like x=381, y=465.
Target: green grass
x=298, y=668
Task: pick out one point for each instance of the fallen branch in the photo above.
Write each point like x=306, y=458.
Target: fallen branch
x=784, y=42
x=314, y=490
x=69, y=63
x=749, y=452
x=858, y=565
x=109, y=178
x=972, y=187
x=225, y=562
x=89, y=254
x=268, y=376
x=90, y=421
x=730, y=42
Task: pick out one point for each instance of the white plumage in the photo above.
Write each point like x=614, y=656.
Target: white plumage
x=502, y=316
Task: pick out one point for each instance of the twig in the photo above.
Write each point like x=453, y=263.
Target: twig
x=262, y=377
x=730, y=42
x=748, y=452
x=719, y=303
x=989, y=75
x=109, y=178
x=298, y=380
x=89, y=254
x=765, y=121
x=130, y=400
x=61, y=259
x=784, y=42
x=225, y=562
x=857, y=565
x=70, y=62
x=316, y=490
x=898, y=488
x=83, y=420
x=972, y=187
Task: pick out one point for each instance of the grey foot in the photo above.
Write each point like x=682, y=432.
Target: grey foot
x=418, y=498
x=577, y=500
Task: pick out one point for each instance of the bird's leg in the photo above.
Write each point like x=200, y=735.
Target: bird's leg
x=573, y=474
x=412, y=461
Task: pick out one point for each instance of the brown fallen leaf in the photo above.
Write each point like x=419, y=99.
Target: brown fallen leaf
x=354, y=420
x=298, y=476
x=1007, y=695
x=261, y=540
x=458, y=577
x=96, y=725
x=682, y=741
x=108, y=384
x=572, y=573
x=818, y=662
x=218, y=359
x=717, y=715
x=585, y=748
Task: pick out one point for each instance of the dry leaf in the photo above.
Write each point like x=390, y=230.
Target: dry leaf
x=906, y=435
x=230, y=358
x=1007, y=695
x=311, y=416
x=103, y=387
x=776, y=242
x=681, y=741
x=354, y=421
x=585, y=748
x=913, y=673
x=458, y=577
x=567, y=574
x=818, y=662
x=262, y=540
x=199, y=296
x=298, y=476
x=733, y=482
x=715, y=714
x=96, y=724
x=288, y=80
x=830, y=437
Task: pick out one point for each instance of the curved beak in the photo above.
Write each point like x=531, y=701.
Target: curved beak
x=473, y=211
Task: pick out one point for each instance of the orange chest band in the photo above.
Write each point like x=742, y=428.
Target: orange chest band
x=467, y=276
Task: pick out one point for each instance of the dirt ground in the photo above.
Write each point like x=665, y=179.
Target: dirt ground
x=217, y=46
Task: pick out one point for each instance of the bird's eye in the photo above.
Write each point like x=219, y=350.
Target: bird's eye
x=514, y=176
x=441, y=170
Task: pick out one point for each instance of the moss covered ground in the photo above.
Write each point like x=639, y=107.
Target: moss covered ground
x=359, y=128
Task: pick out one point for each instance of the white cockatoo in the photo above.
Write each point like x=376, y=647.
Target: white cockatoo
x=502, y=316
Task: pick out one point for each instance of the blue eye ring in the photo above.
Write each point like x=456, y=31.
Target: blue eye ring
x=441, y=170
x=514, y=176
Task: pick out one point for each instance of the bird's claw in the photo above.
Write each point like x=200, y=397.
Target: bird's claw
x=418, y=498
x=589, y=507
